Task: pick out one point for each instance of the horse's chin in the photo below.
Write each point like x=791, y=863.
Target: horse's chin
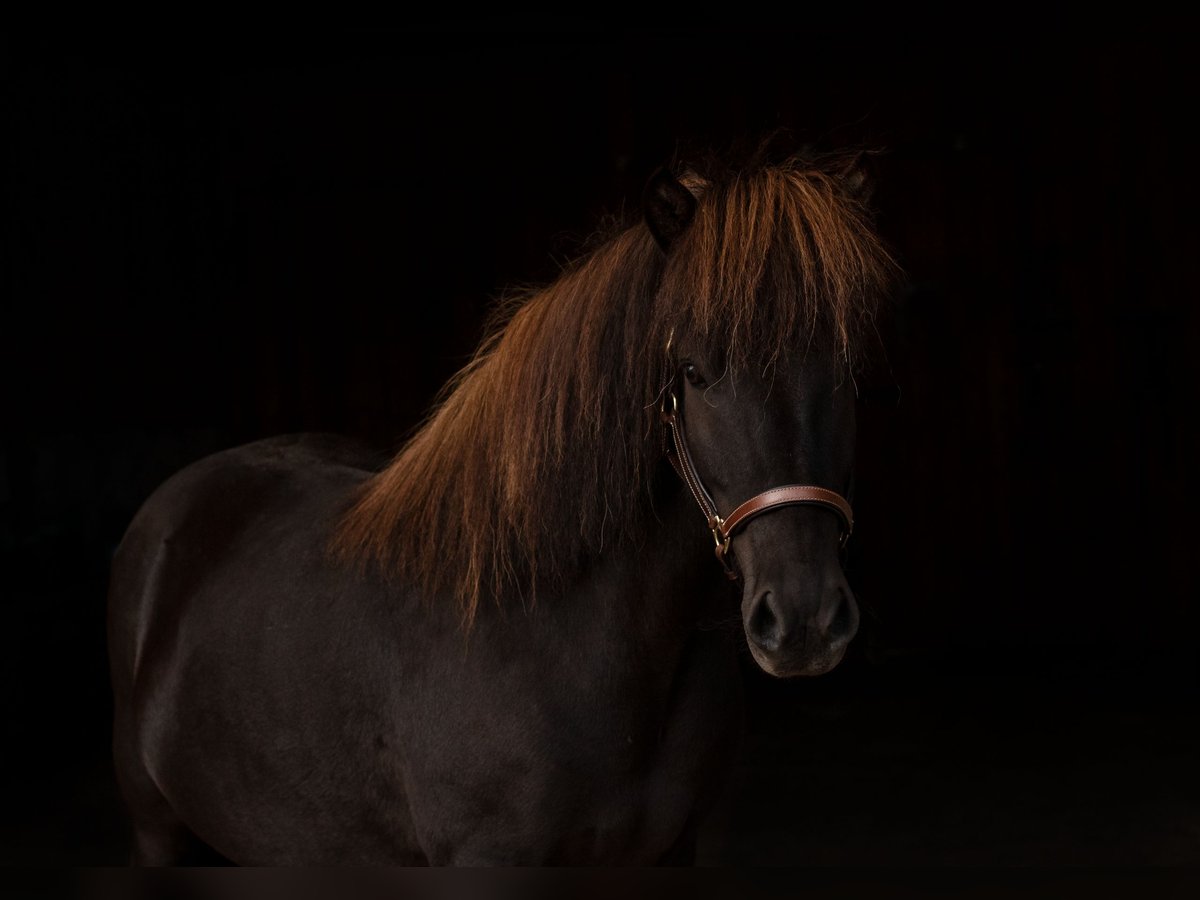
x=806, y=665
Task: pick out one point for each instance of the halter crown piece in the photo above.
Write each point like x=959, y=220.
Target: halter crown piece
x=724, y=528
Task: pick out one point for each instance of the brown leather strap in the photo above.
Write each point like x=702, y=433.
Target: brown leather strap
x=723, y=529
x=788, y=495
x=681, y=458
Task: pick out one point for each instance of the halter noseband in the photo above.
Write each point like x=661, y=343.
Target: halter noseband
x=723, y=529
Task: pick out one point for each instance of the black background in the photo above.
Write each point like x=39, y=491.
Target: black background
x=216, y=237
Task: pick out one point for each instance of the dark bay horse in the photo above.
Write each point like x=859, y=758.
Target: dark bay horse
x=513, y=643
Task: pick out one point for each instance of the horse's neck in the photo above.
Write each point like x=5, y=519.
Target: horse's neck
x=626, y=632
x=664, y=581
x=634, y=607
x=645, y=629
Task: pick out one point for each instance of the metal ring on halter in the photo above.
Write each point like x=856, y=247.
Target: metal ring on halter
x=662, y=410
x=719, y=537
x=721, y=540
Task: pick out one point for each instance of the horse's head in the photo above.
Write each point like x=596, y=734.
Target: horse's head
x=752, y=432
x=760, y=415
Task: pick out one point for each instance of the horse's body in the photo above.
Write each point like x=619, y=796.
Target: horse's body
x=287, y=711
x=278, y=702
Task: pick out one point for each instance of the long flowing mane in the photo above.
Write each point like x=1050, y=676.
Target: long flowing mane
x=538, y=456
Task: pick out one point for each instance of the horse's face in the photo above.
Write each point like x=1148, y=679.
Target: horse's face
x=792, y=424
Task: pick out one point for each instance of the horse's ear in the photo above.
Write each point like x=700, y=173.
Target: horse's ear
x=668, y=207
x=858, y=176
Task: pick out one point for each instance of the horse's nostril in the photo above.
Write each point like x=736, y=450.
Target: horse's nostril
x=841, y=621
x=765, y=626
x=845, y=619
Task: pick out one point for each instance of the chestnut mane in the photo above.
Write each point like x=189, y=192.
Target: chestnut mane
x=539, y=453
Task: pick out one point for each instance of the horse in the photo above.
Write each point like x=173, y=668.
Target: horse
x=517, y=642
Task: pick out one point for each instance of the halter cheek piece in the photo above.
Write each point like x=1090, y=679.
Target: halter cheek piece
x=723, y=529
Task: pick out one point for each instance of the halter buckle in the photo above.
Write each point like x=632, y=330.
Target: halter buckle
x=721, y=540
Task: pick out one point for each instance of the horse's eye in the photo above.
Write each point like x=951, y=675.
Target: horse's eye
x=692, y=374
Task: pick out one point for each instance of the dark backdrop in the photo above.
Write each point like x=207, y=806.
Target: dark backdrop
x=213, y=238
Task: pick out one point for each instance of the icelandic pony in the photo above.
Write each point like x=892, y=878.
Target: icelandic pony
x=512, y=644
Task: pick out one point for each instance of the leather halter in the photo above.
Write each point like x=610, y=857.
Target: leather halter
x=724, y=528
